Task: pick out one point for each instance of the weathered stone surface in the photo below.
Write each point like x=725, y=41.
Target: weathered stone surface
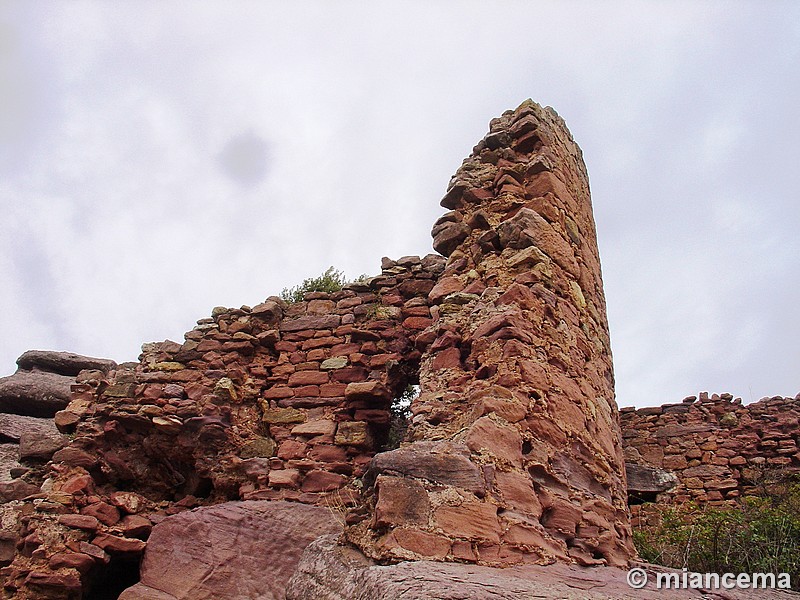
x=353, y=433
x=62, y=363
x=448, y=236
x=311, y=322
x=237, y=551
x=401, y=501
x=35, y=393
x=331, y=572
x=528, y=228
x=13, y=426
x=16, y=489
x=9, y=460
x=529, y=320
x=445, y=463
x=502, y=441
x=312, y=428
x=261, y=447
x=40, y=444
x=84, y=522
x=471, y=520
x=119, y=546
x=103, y=512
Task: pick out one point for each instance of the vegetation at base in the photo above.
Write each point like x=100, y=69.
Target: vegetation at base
x=761, y=534
x=332, y=280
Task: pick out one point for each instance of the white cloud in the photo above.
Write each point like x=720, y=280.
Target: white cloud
x=133, y=226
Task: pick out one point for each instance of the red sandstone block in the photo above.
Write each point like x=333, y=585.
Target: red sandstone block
x=297, y=357
x=416, y=311
x=348, y=303
x=330, y=390
x=318, y=354
x=350, y=374
x=322, y=342
x=377, y=416
x=307, y=390
x=472, y=520
x=284, y=478
x=308, y=378
x=103, y=512
x=380, y=360
x=291, y=449
x=282, y=370
x=429, y=545
x=417, y=323
x=447, y=359
x=401, y=502
x=327, y=453
x=277, y=392
x=344, y=349
x=322, y=481
x=307, y=366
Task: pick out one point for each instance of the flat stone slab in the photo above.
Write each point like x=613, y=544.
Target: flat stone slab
x=62, y=363
x=13, y=427
x=35, y=393
x=236, y=551
x=331, y=572
x=648, y=480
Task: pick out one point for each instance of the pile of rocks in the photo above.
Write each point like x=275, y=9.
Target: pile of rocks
x=29, y=399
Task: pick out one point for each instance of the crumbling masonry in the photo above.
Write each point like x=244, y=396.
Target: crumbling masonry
x=513, y=453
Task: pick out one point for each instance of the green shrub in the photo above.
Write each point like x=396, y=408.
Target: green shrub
x=400, y=414
x=759, y=535
x=332, y=280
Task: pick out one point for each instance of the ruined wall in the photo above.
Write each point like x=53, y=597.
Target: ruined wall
x=516, y=454
x=513, y=454
x=275, y=401
x=712, y=449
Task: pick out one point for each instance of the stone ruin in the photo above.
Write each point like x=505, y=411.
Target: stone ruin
x=268, y=427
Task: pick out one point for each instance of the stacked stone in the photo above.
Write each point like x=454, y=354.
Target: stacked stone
x=715, y=448
x=516, y=453
x=277, y=401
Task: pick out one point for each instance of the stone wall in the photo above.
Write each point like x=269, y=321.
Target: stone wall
x=709, y=450
x=278, y=401
x=513, y=453
x=516, y=455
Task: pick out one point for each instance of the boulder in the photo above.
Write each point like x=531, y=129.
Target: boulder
x=62, y=363
x=643, y=479
x=35, y=393
x=439, y=462
x=236, y=550
x=12, y=427
x=40, y=445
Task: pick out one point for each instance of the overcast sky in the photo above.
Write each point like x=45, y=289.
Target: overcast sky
x=160, y=159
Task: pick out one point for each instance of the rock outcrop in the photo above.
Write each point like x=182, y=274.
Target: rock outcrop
x=41, y=385
x=329, y=571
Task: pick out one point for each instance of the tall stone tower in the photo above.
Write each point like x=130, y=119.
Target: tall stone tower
x=514, y=452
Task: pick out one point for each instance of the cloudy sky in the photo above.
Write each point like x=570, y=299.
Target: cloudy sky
x=160, y=159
